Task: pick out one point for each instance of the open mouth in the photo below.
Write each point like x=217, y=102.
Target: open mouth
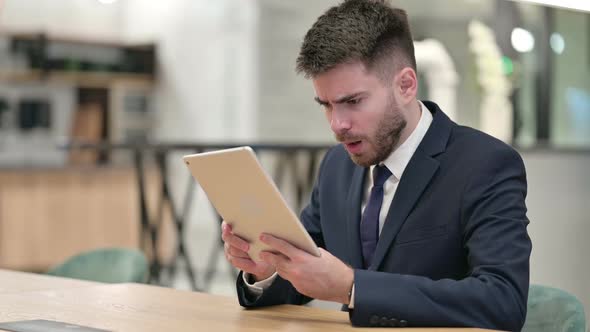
x=354, y=146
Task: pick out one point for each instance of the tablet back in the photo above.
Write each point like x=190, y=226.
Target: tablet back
x=246, y=198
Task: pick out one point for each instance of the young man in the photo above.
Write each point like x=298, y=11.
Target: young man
x=421, y=222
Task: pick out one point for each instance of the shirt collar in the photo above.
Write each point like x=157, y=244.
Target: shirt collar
x=399, y=158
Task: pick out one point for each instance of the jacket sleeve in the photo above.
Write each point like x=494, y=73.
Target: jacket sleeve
x=494, y=294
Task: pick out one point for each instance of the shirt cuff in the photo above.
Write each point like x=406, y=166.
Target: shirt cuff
x=351, y=304
x=258, y=287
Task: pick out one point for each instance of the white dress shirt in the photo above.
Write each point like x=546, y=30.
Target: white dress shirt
x=396, y=162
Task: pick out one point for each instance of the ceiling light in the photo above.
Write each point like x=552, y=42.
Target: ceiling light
x=522, y=40
x=557, y=43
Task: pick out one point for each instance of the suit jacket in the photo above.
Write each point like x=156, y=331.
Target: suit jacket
x=454, y=249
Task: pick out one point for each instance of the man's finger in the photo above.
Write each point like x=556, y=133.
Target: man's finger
x=280, y=245
x=244, y=264
x=236, y=252
x=226, y=230
x=235, y=241
x=279, y=261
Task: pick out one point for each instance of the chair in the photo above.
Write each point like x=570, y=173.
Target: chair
x=108, y=265
x=553, y=310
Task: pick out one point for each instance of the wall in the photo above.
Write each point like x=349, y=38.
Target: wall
x=559, y=211
x=66, y=17
x=207, y=53
x=287, y=110
x=571, y=85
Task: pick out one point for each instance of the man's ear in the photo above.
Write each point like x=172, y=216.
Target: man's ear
x=406, y=85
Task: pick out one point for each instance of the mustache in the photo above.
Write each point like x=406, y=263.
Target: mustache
x=348, y=137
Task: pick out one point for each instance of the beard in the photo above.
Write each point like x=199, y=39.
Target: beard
x=383, y=141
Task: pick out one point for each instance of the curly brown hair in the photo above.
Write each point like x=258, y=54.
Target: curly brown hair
x=370, y=31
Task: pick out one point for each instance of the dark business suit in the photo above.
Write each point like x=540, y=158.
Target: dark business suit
x=454, y=250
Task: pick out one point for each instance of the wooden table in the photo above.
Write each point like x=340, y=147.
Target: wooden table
x=13, y=282
x=134, y=307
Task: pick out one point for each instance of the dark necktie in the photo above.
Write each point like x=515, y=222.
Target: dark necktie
x=370, y=220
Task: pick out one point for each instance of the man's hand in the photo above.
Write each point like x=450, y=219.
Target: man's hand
x=236, y=252
x=324, y=278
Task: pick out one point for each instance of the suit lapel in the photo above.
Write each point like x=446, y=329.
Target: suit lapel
x=415, y=179
x=353, y=201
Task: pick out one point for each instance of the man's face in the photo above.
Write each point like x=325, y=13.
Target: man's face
x=362, y=111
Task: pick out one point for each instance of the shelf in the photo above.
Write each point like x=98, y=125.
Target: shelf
x=82, y=79
x=134, y=63
x=72, y=39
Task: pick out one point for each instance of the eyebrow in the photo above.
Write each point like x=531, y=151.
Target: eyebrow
x=340, y=100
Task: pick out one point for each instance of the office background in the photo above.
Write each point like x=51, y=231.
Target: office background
x=222, y=72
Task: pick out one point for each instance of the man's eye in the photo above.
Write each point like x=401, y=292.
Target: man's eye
x=353, y=101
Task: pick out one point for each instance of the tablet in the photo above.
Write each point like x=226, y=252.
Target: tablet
x=247, y=198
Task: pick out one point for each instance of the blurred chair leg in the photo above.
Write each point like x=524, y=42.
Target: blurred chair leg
x=211, y=266
x=146, y=227
x=181, y=252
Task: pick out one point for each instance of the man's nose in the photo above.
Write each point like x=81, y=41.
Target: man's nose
x=339, y=123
